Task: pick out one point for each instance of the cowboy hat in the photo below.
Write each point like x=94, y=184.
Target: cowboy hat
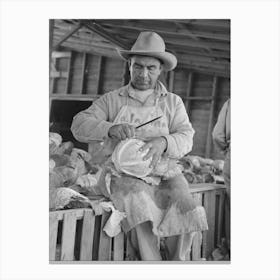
x=151, y=44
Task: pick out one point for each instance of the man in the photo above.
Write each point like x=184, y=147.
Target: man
x=167, y=210
x=221, y=137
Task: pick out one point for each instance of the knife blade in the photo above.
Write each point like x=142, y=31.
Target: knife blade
x=148, y=122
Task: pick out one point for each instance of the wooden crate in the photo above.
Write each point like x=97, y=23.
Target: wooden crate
x=76, y=235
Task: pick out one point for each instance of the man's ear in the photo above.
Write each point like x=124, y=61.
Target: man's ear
x=161, y=68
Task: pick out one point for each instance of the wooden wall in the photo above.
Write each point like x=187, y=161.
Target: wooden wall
x=78, y=78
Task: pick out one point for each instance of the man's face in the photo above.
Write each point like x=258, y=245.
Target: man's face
x=144, y=71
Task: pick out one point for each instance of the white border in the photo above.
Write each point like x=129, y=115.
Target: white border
x=24, y=138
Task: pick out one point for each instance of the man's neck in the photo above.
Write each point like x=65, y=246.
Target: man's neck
x=137, y=89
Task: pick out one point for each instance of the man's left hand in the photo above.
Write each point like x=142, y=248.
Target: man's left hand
x=156, y=148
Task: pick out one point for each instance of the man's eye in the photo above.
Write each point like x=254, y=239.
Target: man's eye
x=137, y=67
x=152, y=68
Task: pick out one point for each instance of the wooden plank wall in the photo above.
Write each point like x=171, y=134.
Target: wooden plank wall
x=84, y=76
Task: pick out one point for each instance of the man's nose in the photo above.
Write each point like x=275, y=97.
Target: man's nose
x=144, y=72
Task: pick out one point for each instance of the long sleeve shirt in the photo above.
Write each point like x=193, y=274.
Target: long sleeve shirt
x=221, y=131
x=94, y=123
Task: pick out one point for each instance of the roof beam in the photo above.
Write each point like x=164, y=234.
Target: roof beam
x=178, y=41
x=85, y=36
x=67, y=35
x=165, y=28
x=96, y=28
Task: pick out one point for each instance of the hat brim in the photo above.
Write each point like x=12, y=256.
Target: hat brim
x=169, y=60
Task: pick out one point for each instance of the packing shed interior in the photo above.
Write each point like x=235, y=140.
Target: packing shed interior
x=84, y=64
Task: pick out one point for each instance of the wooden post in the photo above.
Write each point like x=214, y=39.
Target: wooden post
x=68, y=74
x=52, y=81
x=126, y=73
x=171, y=81
x=188, y=93
x=100, y=76
x=84, y=63
x=208, y=236
x=51, y=25
x=211, y=118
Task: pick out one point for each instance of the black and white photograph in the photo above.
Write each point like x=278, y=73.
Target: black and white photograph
x=139, y=140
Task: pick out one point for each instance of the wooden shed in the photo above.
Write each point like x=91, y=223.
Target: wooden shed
x=84, y=64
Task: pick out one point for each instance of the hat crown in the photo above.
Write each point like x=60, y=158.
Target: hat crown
x=149, y=42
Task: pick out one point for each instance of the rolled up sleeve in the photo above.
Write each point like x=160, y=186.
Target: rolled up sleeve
x=92, y=123
x=180, y=139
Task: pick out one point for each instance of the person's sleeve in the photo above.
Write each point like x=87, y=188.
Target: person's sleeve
x=180, y=139
x=92, y=123
x=219, y=131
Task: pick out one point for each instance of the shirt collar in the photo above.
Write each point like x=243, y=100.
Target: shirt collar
x=160, y=90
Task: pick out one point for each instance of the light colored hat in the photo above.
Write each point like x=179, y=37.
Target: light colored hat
x=151, y=44
x=128, y=159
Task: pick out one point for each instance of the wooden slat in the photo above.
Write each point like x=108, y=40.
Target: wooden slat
x=104, y=253
x=52, y=82
x=171, y=80
x=119, y=247
x=196, y=246
x=68, y=236
x=87, y=236
x=126, y=74
x=211, y=117
x=220, y=215
x=60, y=214
x=59, y=54
x=208, y=236
x=51, y=27
x=188, y=92
x=53, y=226
x=204, y=70
x=68, y=78
x=84, y=63
x=99, y=81
x=96, y=239
x=203, y=187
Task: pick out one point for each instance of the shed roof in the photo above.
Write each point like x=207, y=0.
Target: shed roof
x=202, y=45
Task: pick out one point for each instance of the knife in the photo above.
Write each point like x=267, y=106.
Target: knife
x=148, y=122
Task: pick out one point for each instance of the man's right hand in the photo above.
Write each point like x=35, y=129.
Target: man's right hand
x=121, y=131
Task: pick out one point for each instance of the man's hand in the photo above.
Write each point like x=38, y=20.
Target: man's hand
x=156, y=148
x=121, y=131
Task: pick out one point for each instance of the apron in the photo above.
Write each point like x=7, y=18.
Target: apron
x=169, y=206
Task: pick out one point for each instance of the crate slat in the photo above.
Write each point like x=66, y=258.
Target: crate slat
x=208, y=236
x=53, y=227
x=68, y=236
x=119, y=247
x=104, y=253
x=87, y=236
x=220, y=215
